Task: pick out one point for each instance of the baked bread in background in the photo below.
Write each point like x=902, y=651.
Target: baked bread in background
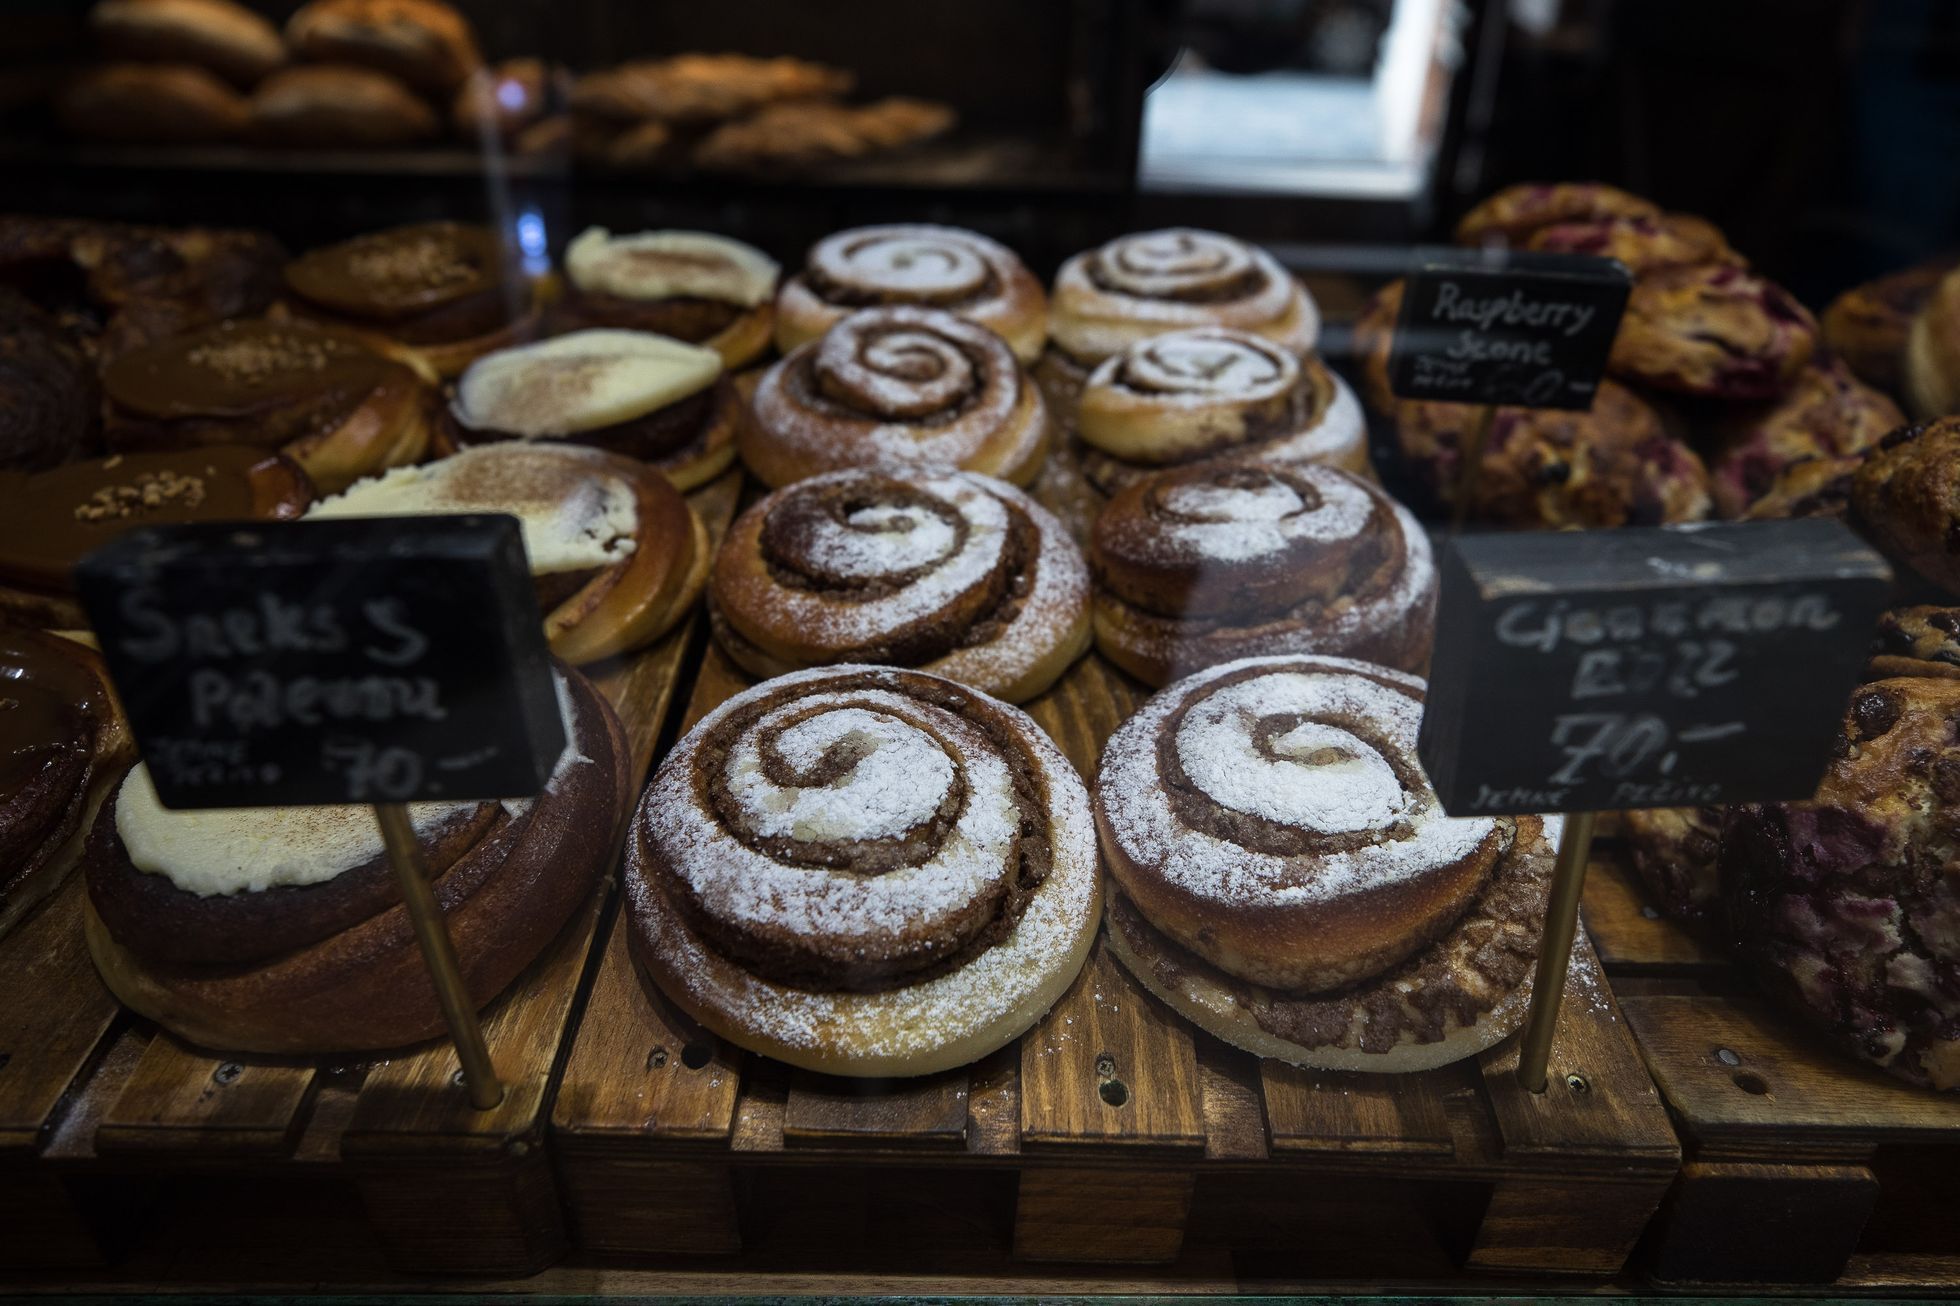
x=425, y=43
x=160, y=104
x=235, y=42
x=1905, y=497
x=339, y=106
x=1868, y=325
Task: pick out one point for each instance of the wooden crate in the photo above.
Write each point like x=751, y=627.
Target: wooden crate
x=98, y=1109
x=1803, y=1166
x=1109, y=1119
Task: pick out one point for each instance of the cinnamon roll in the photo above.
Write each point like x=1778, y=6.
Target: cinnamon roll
x=864, y=871
x=66, y=746
x=322, y=397
x=1827, y=415
x=436, y=294
x=1511, y=215
x=954, y=573
x=1868, y=325
x=617, y=556
x=1713, y=331
x=1643, y=244
x=1223, y=560
x=1932, y=362
x=628, y=392
x=706, y=290
x=1905, y=497
x=1143, y=285
x=280, y=929
x=1286, y=878
x=1214, y=392
x=963, y=272
x=897, y=387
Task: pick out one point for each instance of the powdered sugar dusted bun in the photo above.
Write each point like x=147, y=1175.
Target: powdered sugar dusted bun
x=897, y=388
x=1143, y=285
x=864, y=871
x=952, y=572
x=1213, y=391
x=961, y=271
x=1290, y=882
x=1221, y=560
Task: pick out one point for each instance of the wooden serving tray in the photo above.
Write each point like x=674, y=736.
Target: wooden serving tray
x=98, y=1109
x=1803, y=1165
x=1112, y=1120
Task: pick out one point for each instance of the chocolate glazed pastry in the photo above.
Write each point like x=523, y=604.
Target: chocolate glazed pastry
x=1220, y=560
x=1712, y=331
x=954, y=573
x=307, y=949
x=864, y=871
x=1846, y=906
x=1213, y=392
x=897, y=387
x=1511, y=215
x=1827, y=415
x=438, y=294
x=337, y=408
x=1867, y=326
x=57, y=517
x=1917, y=641
x=1289, y=882
x=1143, y=285
x=1674, y=851
x=961, y=271
x=48, y=399
x=1906, y=499
x=65, y=747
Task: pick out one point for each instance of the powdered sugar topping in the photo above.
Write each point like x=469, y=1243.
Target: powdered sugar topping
x=1247, y=513
x=1203, y=365
x=926, y=263
x=897, y=779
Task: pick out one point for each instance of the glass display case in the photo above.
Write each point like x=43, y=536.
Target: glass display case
x=985, y=477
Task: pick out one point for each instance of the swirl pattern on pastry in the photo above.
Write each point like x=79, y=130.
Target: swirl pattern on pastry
x=897, y=387
x=1271, y=816
x=1713, y=331
x=1143, y=285
x=1514, y=213
x=864, y=869
x=955, y=573
x=1224, y=560
x=963, y=272
x=1211, y=391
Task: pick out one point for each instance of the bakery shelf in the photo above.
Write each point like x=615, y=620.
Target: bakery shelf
x=97, y=1107
x=1112, y=1127
x=1802, y=1166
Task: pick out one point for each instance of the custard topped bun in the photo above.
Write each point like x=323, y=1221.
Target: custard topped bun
x=704, y=289
x=629, y=392
x=617, y=555
x=282, y=929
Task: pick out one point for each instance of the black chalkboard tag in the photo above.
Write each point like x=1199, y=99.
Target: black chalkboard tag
x=382, y=660
x=1514, y=327
x=1665, y=667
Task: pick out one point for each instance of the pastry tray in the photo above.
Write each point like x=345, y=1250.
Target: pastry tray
x=1803, y=1166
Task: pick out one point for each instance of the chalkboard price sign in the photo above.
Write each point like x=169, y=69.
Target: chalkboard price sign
x=1506, y=327
x=1606, y=670
x=372, y=661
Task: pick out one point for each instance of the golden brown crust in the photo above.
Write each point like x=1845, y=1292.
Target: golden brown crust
x=366, y=987
x=1932, y=379
x=226, y=38
x=1827, y=415
x=175, y=104
x=339, y=106
x=423, y=42
x=501, y=100
x=1906, y=498
x=695, y=88
x=1511, y=215
x=961, y=271
x=1923, y=640
x=898, y=386
x=791, y=137
x=1713, y=330
x=644, y=597
x=1867, y=326
x=1674, y=851
x=1642, y=244
x=1215, y=561
x=953, y=573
